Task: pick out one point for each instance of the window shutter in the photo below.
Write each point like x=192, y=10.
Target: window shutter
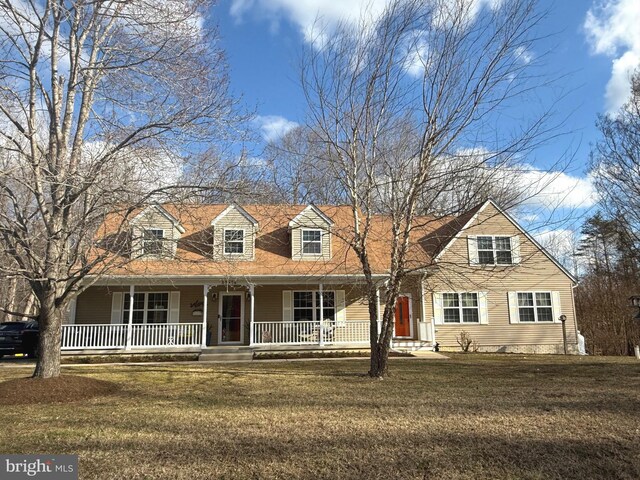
x=174, y=307
x=341, y=311
x=556, y=306
x=472, y=244
x=116, y=307
x=483, y=308
x=287, y=311
x=513, y=307
x=438, y=312
x=515, y=249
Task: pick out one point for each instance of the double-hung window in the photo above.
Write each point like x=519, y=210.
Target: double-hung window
x=461, y=308
x=494, y=250
x=535, y=307
x=233, y=241
x=311, y=242
x=306, y=306
x=153, y=241
x=148, y=307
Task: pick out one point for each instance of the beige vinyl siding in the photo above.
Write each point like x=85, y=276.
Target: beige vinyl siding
x=153, y=219
x=535, y=273
x=233, y=219
x=310, y=220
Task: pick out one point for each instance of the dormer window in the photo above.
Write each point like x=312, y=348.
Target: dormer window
x=233, y=241
x=494, y=250
x=311, y=242
x=153, y=241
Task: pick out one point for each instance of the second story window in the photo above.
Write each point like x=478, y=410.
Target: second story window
x=311, y=242
x=233, y=241
x=494, y=250
x=152, y=241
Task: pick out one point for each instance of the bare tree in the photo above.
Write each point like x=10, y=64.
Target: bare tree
x=407, y=103
x=100, y=103
x=615, y=163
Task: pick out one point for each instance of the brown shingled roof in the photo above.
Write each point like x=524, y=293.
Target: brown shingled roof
x=273, y=248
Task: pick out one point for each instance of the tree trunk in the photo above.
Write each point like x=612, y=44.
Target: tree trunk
x=50, y=322
x=380, y=343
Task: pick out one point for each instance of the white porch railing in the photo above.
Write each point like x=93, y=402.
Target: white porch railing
x=308, y=333
x=112, y=336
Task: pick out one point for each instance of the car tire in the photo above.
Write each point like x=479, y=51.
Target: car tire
x=33, y=353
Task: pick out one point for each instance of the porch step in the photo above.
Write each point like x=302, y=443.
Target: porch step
x=226, y=354
x=411, y=345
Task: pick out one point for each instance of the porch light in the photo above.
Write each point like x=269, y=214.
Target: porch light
x=248, y=295
x=197, y=313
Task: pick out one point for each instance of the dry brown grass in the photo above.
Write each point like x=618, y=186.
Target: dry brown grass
x=474, y=416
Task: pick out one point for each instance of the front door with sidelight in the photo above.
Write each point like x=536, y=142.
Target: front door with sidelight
x=231, y=314
x=403, y=316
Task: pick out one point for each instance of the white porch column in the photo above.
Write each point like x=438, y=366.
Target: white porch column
x=205, y=304
x=378, y=310
x=251, y=313
x=321, y=326
x=132, y=290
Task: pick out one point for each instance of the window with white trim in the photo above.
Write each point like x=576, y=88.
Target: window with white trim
x=461, y=308
x=306, y=306
x=153, y=241
x=233, y=241
x=311, y=242
x=493, y=250
x=148, y=307
x=535, y=307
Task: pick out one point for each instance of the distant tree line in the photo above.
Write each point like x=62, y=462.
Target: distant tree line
x=610, y=245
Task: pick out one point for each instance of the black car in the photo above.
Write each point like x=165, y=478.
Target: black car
x=19, y=337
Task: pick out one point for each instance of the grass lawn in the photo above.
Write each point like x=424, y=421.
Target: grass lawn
x=473, y=416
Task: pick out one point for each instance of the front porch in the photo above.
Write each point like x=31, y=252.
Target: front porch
x=158, y=318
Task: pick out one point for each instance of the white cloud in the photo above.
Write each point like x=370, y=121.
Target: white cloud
x=524, y=55
x=555, y=189
x=274, y=127
x=612, y=29
x=307, y=14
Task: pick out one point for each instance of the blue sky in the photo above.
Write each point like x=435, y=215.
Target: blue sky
x=593, y=46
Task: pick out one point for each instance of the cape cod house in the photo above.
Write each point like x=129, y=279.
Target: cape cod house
x=280, y=277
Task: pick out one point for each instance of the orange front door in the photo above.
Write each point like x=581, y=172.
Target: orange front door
x=403, y=320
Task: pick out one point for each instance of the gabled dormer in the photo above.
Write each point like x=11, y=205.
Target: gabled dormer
x=310, y=233
x=234, y=233
x=155, y=233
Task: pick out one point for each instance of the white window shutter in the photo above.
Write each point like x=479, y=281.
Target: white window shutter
x=438, y=312
x=287, y=301
x=515, y=249
x=483, y=308
x=341, y=311
x=472, y=244
x=514, y=316
x=116, y=307
x=174, y=307
x=556, y=306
